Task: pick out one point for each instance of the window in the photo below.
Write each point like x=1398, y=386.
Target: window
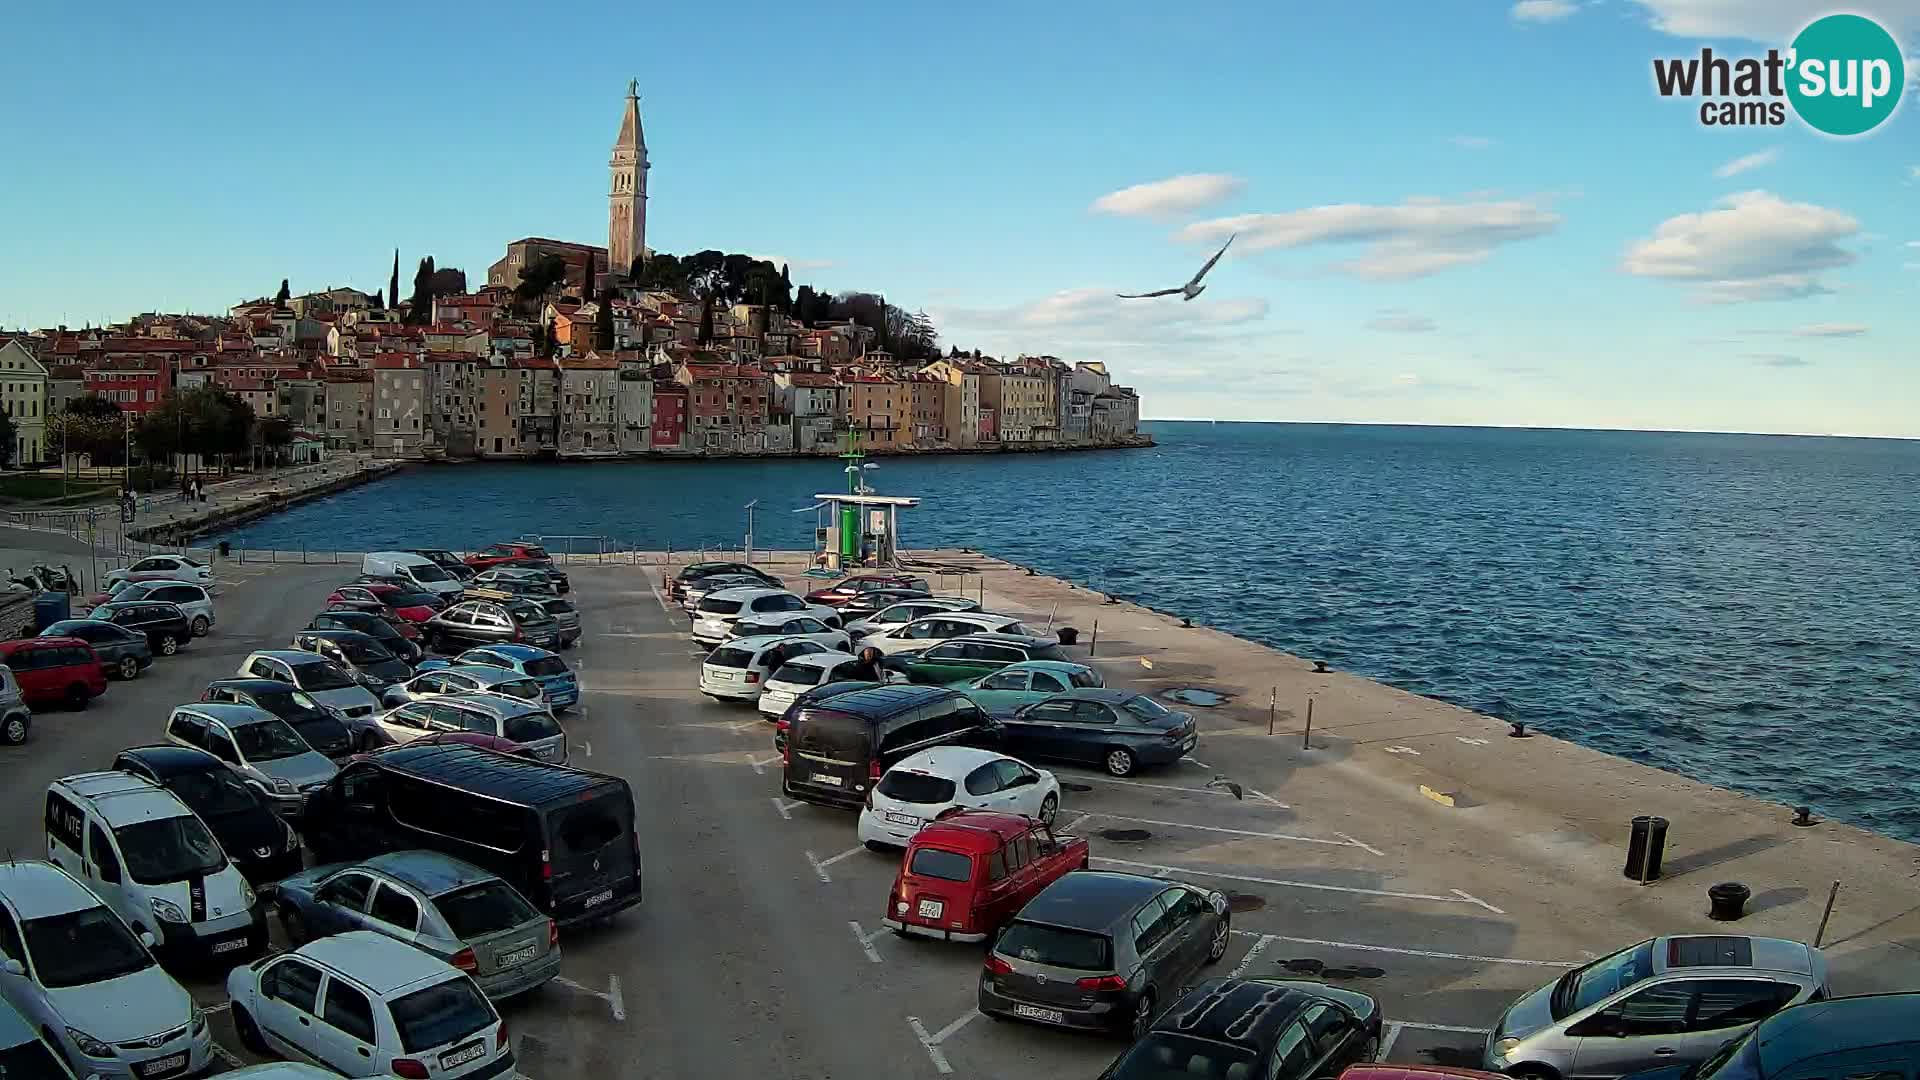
x=1326, y=1024
x=293, y=981
x=1657, y=1010
x=221, y=747
x=349, y=1010
x=1152, y=924
x=944, y=865
x=1091, y=712
x=100, y=852
x=10, y=939
x=65, y=822
x=1016, y=855
x=395, y=908
x=1721, y=1003
x=984, y=780
x=1042, y=682
x=1010, y=772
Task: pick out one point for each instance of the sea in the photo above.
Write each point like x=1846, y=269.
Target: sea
x=1740, y=609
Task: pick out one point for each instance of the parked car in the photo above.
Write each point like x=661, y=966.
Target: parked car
x=1004, y=692
x=565, y=616
x=1275, y=1028
x=969, y=656
x=325, y=728
x=836, y=749
x=382, y=598
x=262, y=846
x=362, y=656
x=403, y=643
x=491, y=622
x=495, y=743
x=446, y=907
x=966, y=875
x=446, y=560
x=823, y=692
x=1871, y=1035
x=15, y=718
x=164, y=568
x=23, y=1053
x=266, y=751
x=930, y=630
x=556, y=678
x=382, y=1008
x=808, y=671
x=1665, y=1001
x=1103, y=951
x=462, y=679
x=932, y=784
x=525, y=722
x=416, y=570
x=692, y=572
x=166, y=625
x=901, y=612
x=717, y=613
x=318, y=677
x=699, y=590
x=533, y=578
x=124, y=653
x=155, y=863
x=193, y=599
x=494, y=554
x=805, y=626
x=840, y=592
x=54, y=670
x=555, y=576
x=1119, y=730
x=563, y=837
x=83, y=977
x=737, y=670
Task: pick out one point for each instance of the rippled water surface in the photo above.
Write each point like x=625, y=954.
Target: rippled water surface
x=1740, y=609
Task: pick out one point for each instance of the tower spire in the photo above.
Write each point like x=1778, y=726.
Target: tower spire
x=627, y=197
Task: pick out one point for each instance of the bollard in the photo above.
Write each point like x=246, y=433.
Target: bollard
x=1094, y=645
x=1273, y=700
x=1307, y=735
x=1319, y=667
x=1646, y=844
x=1803, y=816
x=1519, y=730
x=1821, y=934
x=1727, y=901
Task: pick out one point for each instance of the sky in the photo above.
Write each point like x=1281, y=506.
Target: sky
x=1446, y=213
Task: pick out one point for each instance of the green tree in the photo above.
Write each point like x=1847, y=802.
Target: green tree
x=421, y=305
x=6, y=441
x=280, y=298
x=539, y=276
x=706, y=319
x=603, y=322
x=393, y=283
x=276, y=434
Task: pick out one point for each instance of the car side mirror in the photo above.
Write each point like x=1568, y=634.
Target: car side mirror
x=394, y=696
x=14, y=967
x=147, y=939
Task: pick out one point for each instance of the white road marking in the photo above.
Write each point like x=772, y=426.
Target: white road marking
x=1358, y=844
x=615, y=999
x=1159, y=870
x=1444, y=1027
x=1395, y=949
x=783, y=806
x=1253, y=954
x=225, y=1055
x=1402, y=750
x=1386, y=1043
x=933, y=1049
x=845, y=854
x=586, y=747
x=615, y=633
x=866, y=942
x=1263, y=795
x=1471, y=742
x=818, y=869
x=1091, y=779
x=947, y=1032
x=760, y=766
x=655, y=589
x=1345, y=842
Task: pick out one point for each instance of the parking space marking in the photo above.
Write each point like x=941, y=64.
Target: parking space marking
x=1346, y=841
x=611, y=995
x=1092, y=779
x=783, y=806
x=1364, y=847
x=820, y=865
x=1458, y=897
x=1397, y=950
x=226, y=1056
x=586, y=747
x=866, y=940
x=933, y=1048
x=1253, y=954
x=760, y=766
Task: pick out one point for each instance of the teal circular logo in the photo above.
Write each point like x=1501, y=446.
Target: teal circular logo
x=1846, y=75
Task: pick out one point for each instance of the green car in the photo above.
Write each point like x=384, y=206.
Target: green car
x=970, y=656
x=1007, y=690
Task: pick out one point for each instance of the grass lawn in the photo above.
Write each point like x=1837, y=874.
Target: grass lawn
x=36, y=486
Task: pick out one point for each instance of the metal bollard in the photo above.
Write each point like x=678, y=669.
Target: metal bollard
x=1646, y=845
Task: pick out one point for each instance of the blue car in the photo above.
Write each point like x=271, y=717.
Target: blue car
x=561, y=686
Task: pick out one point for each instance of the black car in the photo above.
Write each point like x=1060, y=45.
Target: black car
x=339, y=738
x=808, y=697
x=361, y=656
x=842, y=745
x=1119, y=730
x=555, y=576
x=693, y=572
x=258, y=842
x=124, y=653
x=166, y=627
x=374, y=626
x=445, y=560
x=1274, y=1028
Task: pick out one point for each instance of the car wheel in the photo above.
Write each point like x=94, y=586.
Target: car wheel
x=77, y=696
x=249, y=1032
x=1119, y=761
x=129, y=667
x=201, y=626
x=1142, y=1015
x=14, y=731
x=169, y=645
x=1049, y=809
x=1219, y=949
x=1533, y=1072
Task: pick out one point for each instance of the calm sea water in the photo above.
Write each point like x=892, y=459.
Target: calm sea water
x=1742, y=609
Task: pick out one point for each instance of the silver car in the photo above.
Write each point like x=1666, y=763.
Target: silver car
x=464, y=679
x=1668, y=1001
x=265, y=750
x=526, y=722
x=320, y=677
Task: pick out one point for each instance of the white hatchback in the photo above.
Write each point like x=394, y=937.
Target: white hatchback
x=738, y=670
x=364, y=1004
x=930, y=630
x=805, y=626
x=718, y=610
x=921, y=787
x=799, y=675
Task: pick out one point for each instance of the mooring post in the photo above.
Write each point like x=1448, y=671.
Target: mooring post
x=1307, y=735
x=1052, y=614
x=1273, y=701
x=1820, y=934
x=1094, y=645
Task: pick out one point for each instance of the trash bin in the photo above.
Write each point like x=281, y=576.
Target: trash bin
x=1068, y=635
x=225, y=549
x=1645, y=846
x=50, y=608
x=1727, y=901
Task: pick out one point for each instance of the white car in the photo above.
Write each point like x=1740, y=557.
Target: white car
x=717, y=612
x=192, y=599
x=920, y=787
x=738, y=670
x=904, y=612
x=163, y=568
x=805, y=626
x=73, y=968
x=364, y=1004
x=930, y=630
x=803, y=673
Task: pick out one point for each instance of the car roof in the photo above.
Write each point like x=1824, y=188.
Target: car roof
x=1837, y=1025
x=522, y=653
x=484, y=672
x=1382, y=1071
x=339, y=635
x=429, y=871
x=982, y=618
x=520, y=781
x=1061, y=667
x=1091, y=899
x=975, y=831
x=759, y=643
x=888, y=699
x=381, y=963
x=118, y=605
x=1109, y=695
x=1018, y=641
x=822, y=659
x=167, y=759
x=37, y=889
x=951, y=762
x=250, y=683
x=39, y=643
x=499, y=705
x=82, y=622
x=1731, y=951
x=288, y=656
x=230, y=713
x=747, y=592
x=775, y=616
x=121, y=799
x=1240, y=1012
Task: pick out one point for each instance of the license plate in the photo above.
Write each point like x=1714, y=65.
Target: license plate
x=1051, y=1016
x=455, y=1058
x=903, y=819
x=599, y=898
x=165, y=1064
x=519, y=956
x=229, y=946
x=823, y=778
x=932, y=909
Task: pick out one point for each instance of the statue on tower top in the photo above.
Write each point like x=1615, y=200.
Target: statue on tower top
x=633, y=87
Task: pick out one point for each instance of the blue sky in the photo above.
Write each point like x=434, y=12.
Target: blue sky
x=1449, y=213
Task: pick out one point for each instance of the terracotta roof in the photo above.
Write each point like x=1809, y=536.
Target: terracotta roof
x=66, y=371
x=395, y=361
x=244, y=383
x=814, y=379
x=594, y=362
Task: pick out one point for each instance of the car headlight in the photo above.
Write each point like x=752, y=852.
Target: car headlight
x=247, y=896
x=1505, y=1047
x=282, y=787
x=89, y=1045
x=168, y=911
x=293, y=838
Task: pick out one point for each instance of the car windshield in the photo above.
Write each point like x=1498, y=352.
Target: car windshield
x=912, y=787
x=321, y=677
x=486, y=908
x=945, y=865
x=404, y=598
x=1055, y=946
x=289, y=705
x=1165, y=1056
x=365, y=652
x=719, y=607
x=268, y=740
x=214, y=793
x=164, y=850
x=527, y=613
x=1602, y=979
x=443, y=1013
x=524, y=689
x=81, y=947
x=545, y=667
x=427, y=571
x=1148, y=709
x=799, y=674
x=730, y=658
x=535, y=552
x=529, y=727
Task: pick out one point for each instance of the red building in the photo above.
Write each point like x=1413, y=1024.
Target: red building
x=130, y=384
x=669, y=416
x=729, y=404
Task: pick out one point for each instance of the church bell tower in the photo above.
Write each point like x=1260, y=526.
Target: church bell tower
x=627, y=201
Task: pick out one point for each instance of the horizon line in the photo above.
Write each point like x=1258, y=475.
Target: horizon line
x=1530, y=427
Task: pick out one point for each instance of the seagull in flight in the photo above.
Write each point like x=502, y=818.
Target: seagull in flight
x=1192, y=288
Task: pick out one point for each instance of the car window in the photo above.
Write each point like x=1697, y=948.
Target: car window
x=349, y=1010
x=1056, y=946
x=65, y=821
x=1656, y=1010
x=10, y=946
x=1006, y=680
x=948, y=651
x=1010, y=771
x=530, y=726
x=1291, y=1052
x=188, y=729
x=1152, y=924
x=1186, y=903
x=222, y=747
x=1053, y=712
x=984, y=780
x=1015, y=854
x=1722, y=1003
x=443, y=1013
x=293, y=981
x=410, y=716
x=450, y=718
x=348, y=890
x=1326, y=1024
x=1091, y=712
x=1048, y=684
x=944, y=865
x=395, y=908
x=486, y=658
x=487, y=908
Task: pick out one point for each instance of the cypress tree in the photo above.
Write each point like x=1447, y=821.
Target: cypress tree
x=393, y=283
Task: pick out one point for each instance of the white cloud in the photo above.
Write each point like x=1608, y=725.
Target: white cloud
x=1420, y=236
x=1543, y=10
x=1748, y=162
x=1771, y=21
x=1779, y=360
x=1396, y=320
x=1470, y=142
x=1174, y=195
x=1830, y=330
x=1408, y=379
x=1756, y=246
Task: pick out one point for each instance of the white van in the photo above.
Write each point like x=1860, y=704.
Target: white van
x=419, y=569
x=152, y=861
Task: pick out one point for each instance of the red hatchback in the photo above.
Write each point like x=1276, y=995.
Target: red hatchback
x=382, y=598
x=55, y=670
x=969, y=873
x=840, y=592
x=494, y=554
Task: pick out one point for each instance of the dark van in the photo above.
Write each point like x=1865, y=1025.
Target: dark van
x=563, y=837
x=838, y=748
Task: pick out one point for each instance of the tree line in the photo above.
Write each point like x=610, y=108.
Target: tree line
x=205, y=421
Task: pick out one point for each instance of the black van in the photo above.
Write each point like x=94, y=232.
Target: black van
x=840, y=746
x=563, y=837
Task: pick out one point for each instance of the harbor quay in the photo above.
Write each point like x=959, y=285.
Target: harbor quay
x=1417, y=852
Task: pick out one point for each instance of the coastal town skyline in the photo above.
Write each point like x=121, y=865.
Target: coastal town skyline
x=1760, y=282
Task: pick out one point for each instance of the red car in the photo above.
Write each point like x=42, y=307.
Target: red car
x=382, y=598
x=55, y=670
x=969, y=873
x=840, y=592
x=494, y=554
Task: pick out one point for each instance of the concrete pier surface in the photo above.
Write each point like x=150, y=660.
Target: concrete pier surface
x=759, y=950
